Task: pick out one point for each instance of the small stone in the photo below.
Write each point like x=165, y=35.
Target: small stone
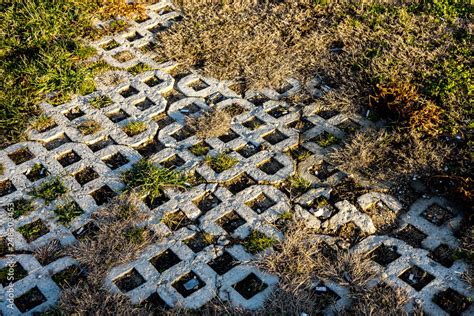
x=321, y=289
x=191, y=284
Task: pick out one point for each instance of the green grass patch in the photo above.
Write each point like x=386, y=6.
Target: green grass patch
x=50, y=190
x=258, y=241
x=22, y=207
x=199, y=149
x=151, y=179
x=101, y=101
x=67, y=212
x=136, y=235
x=139, y=68
x=221, y=162
x=134, y=128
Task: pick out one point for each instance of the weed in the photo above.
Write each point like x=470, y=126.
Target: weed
x=42, y=122
x=134, y=128
x=199, y=149
x=22, y=207
x=221, y=162
x=1, y=170
x=50, y=190
x=67, y=212
x=136, y=235
x=258, y=241
x=152, y=179
x=298, y=184
x=88, y=127
x=212, y=123
x=100, y=102
x=326, y=140
x=321, y=201
x=33, y=230
x=286, y=216
x=139, y=68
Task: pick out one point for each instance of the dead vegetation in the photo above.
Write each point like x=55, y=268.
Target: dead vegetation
x=96, y=254
x=212, y=123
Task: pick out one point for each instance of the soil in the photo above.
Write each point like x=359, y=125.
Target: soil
x=74, y=113
x=443, y=255
x=197, y=243
x=207, y=202
x=302, y=125
x=240, y=183
x=153, y=81
x=176, y=220
x=56, y=142
x=261, y=203
x=101, y=144
x=198, y=85
x=37, y=173
x=411, y=235
x=231, y=221
x=384, y=255
x=229, y=136
x=117, y=116
x=179, y=285
x=165, y=260
x=452, y=302
x=248, y=150
x=250, y=286
x=18, y=273
x=174, y=162
x=144, y=104
x=30, y=300
x=157, y=201
x=151, y=148
x=275, y=137
x=130, y=91
x=123, y=56
x=115, y=161
x=323, y=171
x=183, y=133
x=6, y=187
x=223, y=263
x=86, y=175
x=163, y=121
x=253, y=123
x=69, y=158
x=89, y=230
x=416, y=277
x=68, y=277
x=259, y=99
x=20, y=156
x=154, y=301
x=103, y=195
x=129, y=281
x=327, y=114
x=271, y=166
x=437, y=215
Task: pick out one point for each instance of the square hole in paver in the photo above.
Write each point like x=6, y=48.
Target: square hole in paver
x=452, y=302
x=443, y=254
x=89, y=230
x=73, y=113
x=102, y=143
x=215, y=98
x=437, y=215
x=103, y=195
x=37, y=171
x=231, y=221
x=173, y=162
x=68, y=277
x=299, y=153
x=69, y=158
x=411, y=235
x=207, y=202
x=200, y=149
x=240, y=183
x=259, y=99
x=56, y=142
x=21, y=155
x=165, y=260
x=163, y=121
x=176, y=220
x=133, y=37
x=123, y=56
x=144, y=104
x=154, y=302
x=325, y=139
x=173, y=96
x=6, y=187
x=284, y=88
x=349, y=126
x=165, y=10
x=115, y=161
x=323, y=170
x=6, y=277
x=327, y=114
x=261, y=203
x=131, y=280
x=223, y=264
x=153, y=81
x=302, y=125
x=416, y=277
x=188, y=284
x=182, y=134
x=248, y=150
x=30, y=300
x=22, y=207
x=151, y=147
x=325, y=296
x=275, y=137
x=253, y=123
x=67, y=212
x=199, y=241
x=86, y=175
x=250, y=286
x=270, y=166
x=117, y=116
x=156, y=201
x=278, y=111
x=229, y=136
x=157, y=28
x=128, y=92
x=384, y=255
x=33, y=230
x=234, y=109
x=198, y=85
x=110, y=45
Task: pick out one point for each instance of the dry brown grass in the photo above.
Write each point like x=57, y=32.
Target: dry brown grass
x=379, y=300
x=381, y=155
x=213, y=123
x=110, y=246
